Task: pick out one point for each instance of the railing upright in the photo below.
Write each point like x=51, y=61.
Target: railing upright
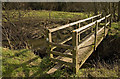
x=92, y=27
x=95, y=40
x=105, y=25
x=75, y=51
x=79, y=34
x=110, y=20
x=76, y=39
x=49, y=40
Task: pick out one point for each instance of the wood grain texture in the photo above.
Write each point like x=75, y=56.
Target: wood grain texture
x=81, y=49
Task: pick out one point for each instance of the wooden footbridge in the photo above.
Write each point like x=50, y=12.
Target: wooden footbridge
x=79, y=44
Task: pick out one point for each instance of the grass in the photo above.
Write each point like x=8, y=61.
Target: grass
x=14, y=14
x=115, y=30
x=23, y=63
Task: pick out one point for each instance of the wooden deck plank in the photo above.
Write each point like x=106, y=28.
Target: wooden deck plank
x=61, y=54
x=55, y=68
x=86, y=48
x=82, y=51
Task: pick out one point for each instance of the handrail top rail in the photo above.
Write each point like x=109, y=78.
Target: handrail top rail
x=103, y=18
x=84, y=27
x=73, y=23
x=88, y=25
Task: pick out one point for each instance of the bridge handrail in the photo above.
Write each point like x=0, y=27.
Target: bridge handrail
x=89, y=25
x=84, y=27
x=71, y=24
x=103, y=18
x=77, y=43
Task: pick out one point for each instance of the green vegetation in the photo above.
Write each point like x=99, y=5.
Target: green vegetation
x=26, y=23
x=23, y=63
x=43, y=14
x=32, y=24
x=115, y=30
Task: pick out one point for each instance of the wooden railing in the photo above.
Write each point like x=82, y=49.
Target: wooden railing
x=74, y=23
x=49, y=32
x=76, y=35
x=78, y=31
x=76, y=40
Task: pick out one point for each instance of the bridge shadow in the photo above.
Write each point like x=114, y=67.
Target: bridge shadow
x=12, y=67
x=108, y=51
x=25, y=68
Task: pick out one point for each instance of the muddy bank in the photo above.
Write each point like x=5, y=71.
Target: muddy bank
x=31, y=33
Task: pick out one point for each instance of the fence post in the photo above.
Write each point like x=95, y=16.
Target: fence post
x=79, y=34
x=75, y=51
x=110, y=20
x=105, y=26
x=92, y=26
x=49, y=38
x=92, y=19
x=95, y=40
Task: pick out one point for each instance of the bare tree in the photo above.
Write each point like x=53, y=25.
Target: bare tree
x=11, y=31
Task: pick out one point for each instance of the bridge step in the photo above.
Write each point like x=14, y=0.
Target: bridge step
x=55, y=68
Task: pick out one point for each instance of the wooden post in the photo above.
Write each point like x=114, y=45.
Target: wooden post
x=110, y=12
x=92, y=26
x=95, y=40
x=79, y=34
x=110, y=20
x=75, y=51
x=105, y=26
x=49, y=46
x=100, y=16
x=92, y=19
x=79, y=25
